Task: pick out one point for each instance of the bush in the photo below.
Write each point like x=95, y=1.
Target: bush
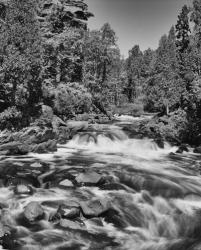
x=134, y=109
x=10, y=118
x=173, y=128
x=71, y=99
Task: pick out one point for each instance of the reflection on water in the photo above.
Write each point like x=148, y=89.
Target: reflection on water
x=156, y=196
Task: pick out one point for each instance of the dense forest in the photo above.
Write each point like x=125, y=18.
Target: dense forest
x=48, y=56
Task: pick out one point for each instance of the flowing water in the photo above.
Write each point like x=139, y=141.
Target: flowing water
x=157, y=194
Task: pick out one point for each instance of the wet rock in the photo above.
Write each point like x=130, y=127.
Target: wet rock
x=25, y=180
x=159, y=142
x=36, y=135
x=77, y=126
x=14, y=148
x=66, y=183
x=6, y=237
x=71, y=211
x=182, y=148
x=23, y=190
x=33, y=211
x=77, y=225
x=112, y=186
x=45, y=147
x=89, y=179
x=95, y=207
x=197, y=150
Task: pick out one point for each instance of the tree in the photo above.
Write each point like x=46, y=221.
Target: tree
x=20, y=57
x=134, y=71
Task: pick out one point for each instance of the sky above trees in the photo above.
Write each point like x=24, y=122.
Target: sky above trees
x=136, y=21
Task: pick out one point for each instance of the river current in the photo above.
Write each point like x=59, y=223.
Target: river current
x=156, y=193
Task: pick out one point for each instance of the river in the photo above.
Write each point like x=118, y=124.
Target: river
x=157, y=195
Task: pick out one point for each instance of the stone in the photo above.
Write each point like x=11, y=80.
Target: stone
x=14, y=148
x=89, y=178
x=72, y=224
x=197, y=150
x=44, y=147
x=95, y=207
x=182, y=148
x=33, y=211
x=77, y=126
x=66, y=212
x=23, y=190
x=66, y=183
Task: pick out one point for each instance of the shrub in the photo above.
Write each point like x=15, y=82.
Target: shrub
x=10, y=118
x=71, y=99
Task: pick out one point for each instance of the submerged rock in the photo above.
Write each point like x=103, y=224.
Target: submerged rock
x=33, y=211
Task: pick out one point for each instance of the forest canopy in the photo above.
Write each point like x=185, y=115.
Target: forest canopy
x=48, y=56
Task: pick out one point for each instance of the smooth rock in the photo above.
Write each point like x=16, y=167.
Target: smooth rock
x=66, y=183
x=23, y=190
x=89, y=178
x=72, y=224
x=33, y=211
x=95, y=207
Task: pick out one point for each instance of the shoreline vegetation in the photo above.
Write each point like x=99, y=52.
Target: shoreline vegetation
x=53, y=70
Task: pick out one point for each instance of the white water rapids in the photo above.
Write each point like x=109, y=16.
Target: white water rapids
x=157, y=195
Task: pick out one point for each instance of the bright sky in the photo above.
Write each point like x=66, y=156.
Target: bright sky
x=140, y=22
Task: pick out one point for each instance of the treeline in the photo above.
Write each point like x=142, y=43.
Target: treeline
x=168, y=79
x=48, y=56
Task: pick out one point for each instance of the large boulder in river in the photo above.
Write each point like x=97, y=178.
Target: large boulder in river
x=14, y=148
x=44, y=147
x=77, y=126
x=95, y=207
x=33, y=211
x=197, y=150
x=89, y=179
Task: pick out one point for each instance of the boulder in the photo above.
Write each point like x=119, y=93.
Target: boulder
x=71, y=212
x=89, y=178
x=95, y=207
x=45, y=147
x=197, y=150
x=34, y=135
x=77, y=126
x=33, y=211
x=159, y=142
x=182, y=148
x=23, y=190
x=14, y=148
x=76, y=225
x=6, y=237
x=66, y=183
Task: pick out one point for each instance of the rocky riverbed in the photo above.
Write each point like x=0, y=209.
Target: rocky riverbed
x=102, y=188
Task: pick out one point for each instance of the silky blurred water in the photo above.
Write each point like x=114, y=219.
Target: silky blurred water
x=157, y=194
